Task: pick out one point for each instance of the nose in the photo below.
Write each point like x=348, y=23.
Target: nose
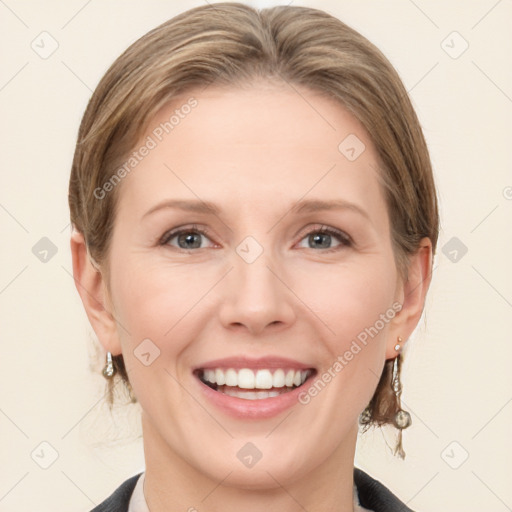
x=256, y=296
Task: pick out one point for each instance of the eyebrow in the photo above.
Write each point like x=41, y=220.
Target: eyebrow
x=304, y=206
x=315, y=205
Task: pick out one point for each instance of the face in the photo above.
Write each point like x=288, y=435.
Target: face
x=249, y=246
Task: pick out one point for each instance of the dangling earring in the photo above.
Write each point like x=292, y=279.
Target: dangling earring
x=109, y=370
x=402, y=419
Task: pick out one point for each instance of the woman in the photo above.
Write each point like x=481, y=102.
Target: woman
x=254, y=224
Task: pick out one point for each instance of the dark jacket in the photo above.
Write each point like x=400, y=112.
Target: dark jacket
x=372, y=495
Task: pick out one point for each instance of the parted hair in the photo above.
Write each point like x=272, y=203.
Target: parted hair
x=232, y=44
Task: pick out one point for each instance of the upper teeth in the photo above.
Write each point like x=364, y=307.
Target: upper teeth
x=255, y=379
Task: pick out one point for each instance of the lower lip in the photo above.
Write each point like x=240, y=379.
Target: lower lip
x=253, y=409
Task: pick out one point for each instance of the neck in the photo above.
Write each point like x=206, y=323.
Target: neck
x=173, y=483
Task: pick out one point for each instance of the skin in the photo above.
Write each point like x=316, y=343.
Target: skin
x=254, y=152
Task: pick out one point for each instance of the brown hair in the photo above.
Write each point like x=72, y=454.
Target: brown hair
x=232, y=44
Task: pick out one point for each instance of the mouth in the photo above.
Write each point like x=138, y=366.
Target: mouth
x=254, y=384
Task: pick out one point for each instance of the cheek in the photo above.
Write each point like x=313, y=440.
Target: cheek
x=160, y=302
x=359, y=309
x=350, y=299
x=150, y=303
x=359, y=313
x=154, y=329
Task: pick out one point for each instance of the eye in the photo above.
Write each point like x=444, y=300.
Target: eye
x=186, y=237
x=323, y=237
x=191, y=237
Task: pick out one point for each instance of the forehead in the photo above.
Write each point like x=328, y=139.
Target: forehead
x=248, y=146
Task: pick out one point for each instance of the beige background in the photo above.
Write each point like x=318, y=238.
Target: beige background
x=457, y=377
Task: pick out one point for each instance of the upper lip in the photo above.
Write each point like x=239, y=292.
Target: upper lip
x=254, y=363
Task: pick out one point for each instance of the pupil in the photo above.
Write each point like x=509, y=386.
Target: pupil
x=318, y=236
x=190, y=238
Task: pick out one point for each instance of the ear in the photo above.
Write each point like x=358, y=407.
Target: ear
x=411, y=294
x=92, y=288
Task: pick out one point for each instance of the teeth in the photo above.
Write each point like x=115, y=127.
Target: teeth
x=246, y=378
x=278, y=379
x=220, y=378
x=209, y=375
x=251, y=395
x=231, y=377
x=263, y=380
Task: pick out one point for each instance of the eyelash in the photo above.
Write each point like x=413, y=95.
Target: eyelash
x=342, y=237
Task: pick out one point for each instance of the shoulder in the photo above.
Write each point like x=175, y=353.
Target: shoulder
x=375, y=496
x=118, y=501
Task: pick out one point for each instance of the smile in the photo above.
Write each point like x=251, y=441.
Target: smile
x=254, y=384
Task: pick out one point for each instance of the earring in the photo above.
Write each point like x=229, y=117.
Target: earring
x=402, y=419
x=109, y=370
